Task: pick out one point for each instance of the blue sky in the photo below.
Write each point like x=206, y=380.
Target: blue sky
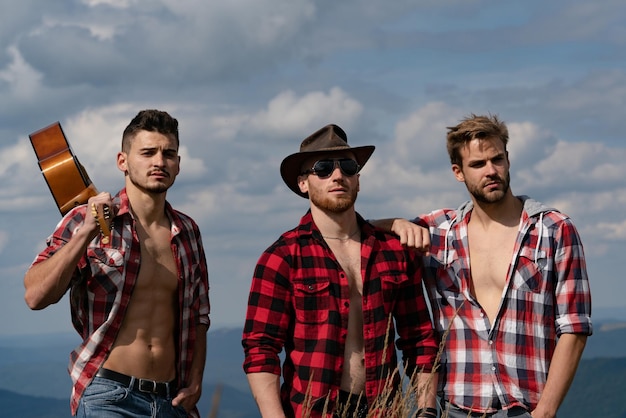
x=249, y=79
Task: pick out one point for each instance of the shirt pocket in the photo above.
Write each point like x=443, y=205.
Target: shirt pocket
x=392, y=282
x=443, y=280
x=107, y=266
x=530, y=274
x=312, y=301
x=444, y=270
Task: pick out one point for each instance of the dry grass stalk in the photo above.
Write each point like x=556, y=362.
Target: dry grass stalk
x=393, y=402
x=217, y=396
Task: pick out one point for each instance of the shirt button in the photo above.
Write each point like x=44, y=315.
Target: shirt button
x=493, y=368
x=346, y=304
x=490, y=342
x=310, y=287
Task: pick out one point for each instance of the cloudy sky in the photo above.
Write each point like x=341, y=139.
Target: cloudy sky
x=249, y=79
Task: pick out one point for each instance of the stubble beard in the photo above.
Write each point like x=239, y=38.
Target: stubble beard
x=151, y=188
x=493, y=197
x=336, y=205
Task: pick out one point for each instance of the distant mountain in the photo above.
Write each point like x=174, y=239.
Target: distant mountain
x=613, y=314
x=598, y=390
x=34, y=366
x=15, y=405
x=608, y=340
x=231, y=403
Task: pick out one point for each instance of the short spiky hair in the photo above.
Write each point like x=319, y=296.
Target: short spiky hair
x=150, y=120
x=474, y=127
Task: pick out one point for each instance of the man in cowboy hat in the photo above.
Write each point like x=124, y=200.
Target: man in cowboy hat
x=333, y=292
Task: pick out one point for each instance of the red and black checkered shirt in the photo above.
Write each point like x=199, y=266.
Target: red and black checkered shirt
x=299, y=301
x=103, y=282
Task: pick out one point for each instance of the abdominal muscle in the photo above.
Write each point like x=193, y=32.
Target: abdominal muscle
x=353, y=376
x=145, y=344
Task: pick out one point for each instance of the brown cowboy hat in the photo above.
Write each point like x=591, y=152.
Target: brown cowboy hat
x=328, y=139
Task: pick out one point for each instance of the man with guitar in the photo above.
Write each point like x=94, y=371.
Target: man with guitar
x=139, y=293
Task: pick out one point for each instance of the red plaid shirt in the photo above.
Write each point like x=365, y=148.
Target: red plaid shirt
x=546, y=294
x=299, y=301
x=103, y=282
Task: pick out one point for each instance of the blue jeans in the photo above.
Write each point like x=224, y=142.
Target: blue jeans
x=105, y=398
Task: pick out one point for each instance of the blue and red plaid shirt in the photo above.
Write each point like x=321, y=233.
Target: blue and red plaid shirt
x=299, y=300
x=103, y=282
x=546, y=294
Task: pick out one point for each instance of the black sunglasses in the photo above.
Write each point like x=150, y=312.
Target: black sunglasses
x=324, y=168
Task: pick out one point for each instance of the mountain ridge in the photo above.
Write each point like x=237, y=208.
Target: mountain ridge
x=33, y=372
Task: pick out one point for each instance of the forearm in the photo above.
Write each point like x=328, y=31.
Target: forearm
x=199, y=358
x=562, y=370
x=427, y=390
x=410, y=234
x=384, y=224
x=45, y=283
x=189, y=395
x=265, y=389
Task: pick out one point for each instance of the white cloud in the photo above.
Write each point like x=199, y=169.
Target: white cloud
x=286, y=116
x=248, y=79
x=527, y=142
x=121, y=4
x=614, y=231
x=20, y=79
x=575, y=165
x=4, y=240
x=288, y=113
x=422, y=134
x=95, y=135
x=602, y=88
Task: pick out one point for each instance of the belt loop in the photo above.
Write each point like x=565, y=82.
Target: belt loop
x=131, y=385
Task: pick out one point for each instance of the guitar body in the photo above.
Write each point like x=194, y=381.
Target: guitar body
x=66, y=177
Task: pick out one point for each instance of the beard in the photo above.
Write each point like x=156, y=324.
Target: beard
x=491, y=197
x=333, y=204
x=147, y=186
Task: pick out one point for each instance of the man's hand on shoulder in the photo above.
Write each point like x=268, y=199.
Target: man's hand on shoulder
x=412, y=235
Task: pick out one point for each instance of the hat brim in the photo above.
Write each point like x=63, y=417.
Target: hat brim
x=292, y=164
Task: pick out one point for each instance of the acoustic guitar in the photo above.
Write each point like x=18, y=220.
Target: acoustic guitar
x=65, y=176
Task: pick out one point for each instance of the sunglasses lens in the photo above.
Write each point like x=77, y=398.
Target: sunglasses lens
x=324, y=168
x=348, y=166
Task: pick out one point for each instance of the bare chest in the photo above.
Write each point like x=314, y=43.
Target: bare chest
x=158, y=266
x=490, y=259
x=348, y=256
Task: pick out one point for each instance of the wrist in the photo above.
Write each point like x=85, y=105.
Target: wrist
x=392, y=225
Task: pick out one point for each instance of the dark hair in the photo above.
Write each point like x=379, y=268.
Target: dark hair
x=474, y=127
x=150, y=120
